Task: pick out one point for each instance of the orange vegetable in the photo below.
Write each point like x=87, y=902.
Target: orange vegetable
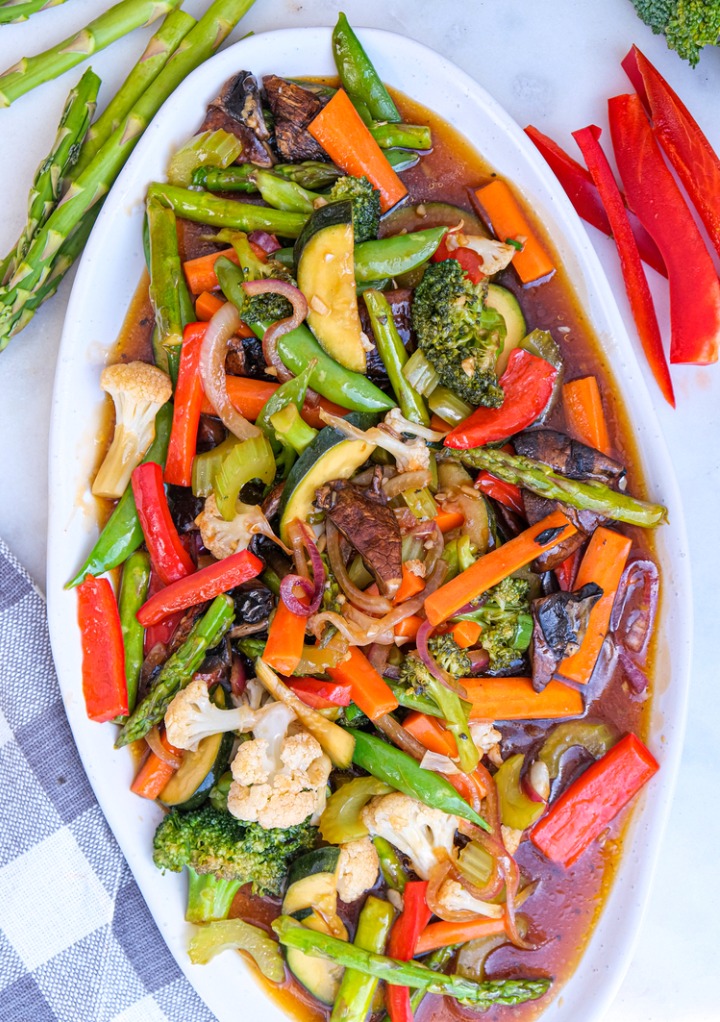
x=516, y=699
x=249, y=396
x=200, y=273
x=466, y=633
x=411, y=585
x=430, y=733
x=186, y=409
x=206, y=305
x=447, y=520
x=487, y=571
x=603, y=563
x=439, y=425
x=286, y=636
x=369, y=690
x=155, y=773
x=584, y=413
x=443, y=934
x=510, y=224
x=408, y=627
x=345, y=138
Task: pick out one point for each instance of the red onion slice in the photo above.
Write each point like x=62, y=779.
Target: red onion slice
x=302, y=539
x=635, y=607
x=283, y=326
x=213, y=352
x=267, y=242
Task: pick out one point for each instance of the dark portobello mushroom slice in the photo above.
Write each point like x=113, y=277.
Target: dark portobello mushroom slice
x=238, y=110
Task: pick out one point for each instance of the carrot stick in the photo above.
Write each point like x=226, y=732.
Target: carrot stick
x=497, y=565
x=186, y=409
x=443, y=934
x=249, y=396
x=200, y=273
x=584, y=413
x=408, y=627
x=510, y=224
x=466, y=633
x=430, y=733
x=516, y=699
x=206, y=305
x=155, y=773
x=411, y=585
x=369, y=690
x=439, y=425
x=341, y=132
x=286, y=636
x=603, y=563
x=447, y=520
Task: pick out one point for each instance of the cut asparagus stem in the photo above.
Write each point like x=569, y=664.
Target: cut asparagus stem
x=20, y=10
x=204, y=208
x=93, y=184
x=167, y=282
x=29, y=72
x=156, y=55
x=357, y=989
x=50, y=176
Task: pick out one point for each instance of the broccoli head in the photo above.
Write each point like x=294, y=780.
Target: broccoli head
x=365, y=205
x=506, y=622
x=450, y=656
x=270, y=307
x=687, y=25
x=458, y=334
x=211, y=841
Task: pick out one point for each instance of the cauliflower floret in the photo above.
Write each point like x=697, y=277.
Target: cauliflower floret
x=487, y=740
x=357, y=869
x=139, y=391
x=425, y=835
x=495, y=255
x=410, y=455
x=453, y=898
x=223, y=538
x=511, y=838
x=278, y=781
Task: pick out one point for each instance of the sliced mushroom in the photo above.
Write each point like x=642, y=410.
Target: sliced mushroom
x=293, y=108
x=238, y=109
x=560, y=623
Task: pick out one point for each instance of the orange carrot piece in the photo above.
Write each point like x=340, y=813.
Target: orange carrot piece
x=408, y=627
x=430, y=733
x=411, y=585
x=443, y=934
x=487, y=571
x=510, y=224
x=439, y=425
x=155, y=773
x=286, y=637
x=249, y=396
x=603, y=563
x=206, y=305
x=447, y=520
x=516, y=699
x=466, y=633
x=369, y=690
x=345, y=138
x=200, y=273
x=584, y=413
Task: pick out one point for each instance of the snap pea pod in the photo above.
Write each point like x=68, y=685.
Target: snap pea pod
x=357, y=989
x=402, y=772
x=358, y=75
x=122, y=533
x=390, y=257
x=291, y=933
x=401, y=159
x=281, y=193
x=177, y=672
x=394, y=356
x=204, y=208
x=394, y=873
x=401, y=136
x=133, y=591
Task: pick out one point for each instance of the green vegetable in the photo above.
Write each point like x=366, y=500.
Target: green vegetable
x=506, y=621
x=206, y=465
x=281, y=193
x=401, y=159
x=250, y=459
x=365, y=205
x=292, y=430
x=436, y=961
x=596, y=738
x=290, y=394
x=133, y=592
x=238, y=935
x=394, y=873
x=421, y=503
x=541, y=479
x=169, y=295
x=448, y=406
x=687, y=25
x=310, y=173
x=209, y=148
x=209, y=898
x=458, y=333
x=21, y=11
x=178, y=670
x=393, y=256
x=516, y=809
x=403, y=773
x=358, y=75
x=357, y=989
x=340, y=821
x=401, y=136
x=421, y=374
x=394, y=357
x=122, y=533
x=411, y=974
x=203, y=208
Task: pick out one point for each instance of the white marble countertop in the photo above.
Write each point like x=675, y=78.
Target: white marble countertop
x=552, y=63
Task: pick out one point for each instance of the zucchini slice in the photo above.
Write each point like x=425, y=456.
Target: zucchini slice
x=505, y=302
x=431, y=214
x=319, y=976
x=325, y=260
x=319, y=860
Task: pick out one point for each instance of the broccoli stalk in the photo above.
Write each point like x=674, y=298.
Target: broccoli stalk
x=687, y=25
x=209, y=897
x=506, y=622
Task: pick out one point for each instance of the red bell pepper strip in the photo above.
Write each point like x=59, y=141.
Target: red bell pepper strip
x=321, y=695
x=682, y=138
x=567, y=570
x=168, y=556
x=468, y=258
x=402, y=943
x=103, y=654
x=164, y=630
x=528, y=383
x=591, y=802
x=653, y=194
x=187, y=406
x=580, y=189
x=504, y=493
x=205, y=584
x=636, y=284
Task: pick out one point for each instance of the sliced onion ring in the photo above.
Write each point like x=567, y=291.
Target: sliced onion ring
x=213, y=352
x=283, y=326
x=153, y=740
x=370, y=604
x=267, y=242
x=302, y=540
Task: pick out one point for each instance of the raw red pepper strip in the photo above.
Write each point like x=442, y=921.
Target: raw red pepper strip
x=579, y=188
x=321, y=695
x=164, y=630
x=591, y=802
x=205, y=584
x=187, y=406
x=528, y=385
x=504, y=493
x=682, y=138
x=168, y=556
x=402, y=943
x=653, y=194
x=103, y=654
x=636, y=284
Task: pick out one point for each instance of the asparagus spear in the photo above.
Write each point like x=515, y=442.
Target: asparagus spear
x=203, y=208
x=357, y=989
x=20, y=10
x=409, y=974
x=541, y=479
x=93, y=183
x=177, y=672
x=29, y=72
x=50, y=176
x=156, y=55
x=168, y=291
x=437, y=962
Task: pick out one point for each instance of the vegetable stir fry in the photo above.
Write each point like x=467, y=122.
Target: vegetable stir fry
x=382, y=635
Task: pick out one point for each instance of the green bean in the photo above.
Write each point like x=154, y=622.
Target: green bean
x=394, y=356
x=133, y=591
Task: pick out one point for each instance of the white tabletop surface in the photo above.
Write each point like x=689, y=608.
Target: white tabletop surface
x=552, y=63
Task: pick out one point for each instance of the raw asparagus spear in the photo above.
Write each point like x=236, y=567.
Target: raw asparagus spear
x=20, y=10
x=29, y=72
x=168, y=291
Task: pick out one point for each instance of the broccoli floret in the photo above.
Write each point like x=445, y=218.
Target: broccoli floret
x=458, y=334
x=506, y=622
x=212, y=842
x=270, y=307
x=687, y=25
x=365, y=205
x=450, y=656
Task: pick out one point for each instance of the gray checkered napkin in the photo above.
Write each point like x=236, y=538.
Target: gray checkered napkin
x=77, y=942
